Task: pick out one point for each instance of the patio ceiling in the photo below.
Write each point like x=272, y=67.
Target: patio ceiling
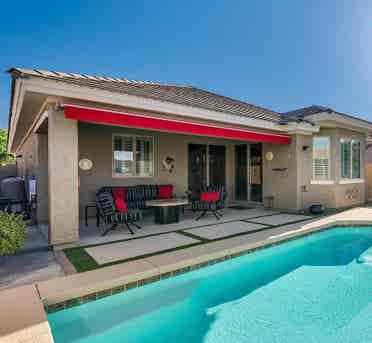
x=169, y=125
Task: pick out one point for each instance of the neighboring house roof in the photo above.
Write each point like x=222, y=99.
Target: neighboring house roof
x=179, y=94
x=304, y=112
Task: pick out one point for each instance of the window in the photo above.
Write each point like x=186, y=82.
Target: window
x=350, y=159
x=321, y=158
x=133, y=156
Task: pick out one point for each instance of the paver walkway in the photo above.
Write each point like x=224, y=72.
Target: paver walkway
x=34, y=262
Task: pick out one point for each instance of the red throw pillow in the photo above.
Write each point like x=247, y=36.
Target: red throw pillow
x=121, y=205
x=165, y=191
x=209, y=196
x=119, y=193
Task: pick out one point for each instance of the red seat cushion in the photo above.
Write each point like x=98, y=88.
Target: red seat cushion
x=121, y=205
x=165, y=191
x=119, y=193
x=209, y=196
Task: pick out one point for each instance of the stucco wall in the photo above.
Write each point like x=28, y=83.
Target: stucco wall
x=95, y=143
x=335, y=195
x=26, y=162
x=288, y=177
x=281, y=173
x=368, y=174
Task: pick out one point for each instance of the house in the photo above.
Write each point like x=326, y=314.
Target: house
x=75, y=133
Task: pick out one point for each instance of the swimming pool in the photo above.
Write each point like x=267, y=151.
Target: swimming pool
x=313, y=289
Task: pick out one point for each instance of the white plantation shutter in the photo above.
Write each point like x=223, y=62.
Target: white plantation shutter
x=350, y=159
x=321, y=158
x=133, y=156
x=321, y=169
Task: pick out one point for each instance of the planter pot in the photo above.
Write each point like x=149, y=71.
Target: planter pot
x=316, y=209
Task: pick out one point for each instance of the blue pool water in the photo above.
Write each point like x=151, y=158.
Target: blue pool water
x=313, y=289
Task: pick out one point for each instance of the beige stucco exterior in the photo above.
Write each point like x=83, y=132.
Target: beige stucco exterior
x=50, y=147
x=287, y=177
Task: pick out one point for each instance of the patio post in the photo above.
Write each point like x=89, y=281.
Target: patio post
x=63, y=179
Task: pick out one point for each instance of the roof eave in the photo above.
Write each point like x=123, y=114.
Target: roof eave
x=341, y=118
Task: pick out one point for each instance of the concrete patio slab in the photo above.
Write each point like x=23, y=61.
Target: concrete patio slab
x=143, y=246
x=92, y=234
x=280, y=219
x=225, y=229
x=22, y=317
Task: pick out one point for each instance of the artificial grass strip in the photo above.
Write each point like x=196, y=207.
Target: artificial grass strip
x=81, y=260
x=191, y=235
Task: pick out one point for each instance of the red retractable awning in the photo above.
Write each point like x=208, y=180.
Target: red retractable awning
x=168, y=125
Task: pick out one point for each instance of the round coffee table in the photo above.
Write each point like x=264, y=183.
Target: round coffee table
x=167, y=210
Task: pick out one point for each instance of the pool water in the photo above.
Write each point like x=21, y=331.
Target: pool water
x=313, y=289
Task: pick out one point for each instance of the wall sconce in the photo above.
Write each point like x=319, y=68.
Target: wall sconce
x=269, y=156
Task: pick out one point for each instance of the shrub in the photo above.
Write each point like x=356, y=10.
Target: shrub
x=12, y=233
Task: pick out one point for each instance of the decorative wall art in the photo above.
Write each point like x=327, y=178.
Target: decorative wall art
x=168, y=164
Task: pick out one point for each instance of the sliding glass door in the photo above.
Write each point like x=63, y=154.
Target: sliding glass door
x=255, y=172
x=241, y=172
x=206, y=165
x=248, y=172
x=197, y=169
x=217, y=164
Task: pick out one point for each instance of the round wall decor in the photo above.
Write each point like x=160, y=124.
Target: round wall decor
x=85, y=164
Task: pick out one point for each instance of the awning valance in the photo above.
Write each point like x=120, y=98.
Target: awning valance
x=169, y=125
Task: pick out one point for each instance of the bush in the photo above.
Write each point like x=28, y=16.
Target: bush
x=12, y=233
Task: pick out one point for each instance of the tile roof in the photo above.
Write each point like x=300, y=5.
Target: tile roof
x=179, y=94
x=302, y=113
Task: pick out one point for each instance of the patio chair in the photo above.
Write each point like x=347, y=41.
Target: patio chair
x=211, y=199
x=113, y=213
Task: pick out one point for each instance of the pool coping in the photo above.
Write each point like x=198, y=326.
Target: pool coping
x=61, y=293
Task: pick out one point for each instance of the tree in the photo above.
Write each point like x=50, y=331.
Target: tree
x=5, y=157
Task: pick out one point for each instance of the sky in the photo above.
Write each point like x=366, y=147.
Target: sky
x=279, y=54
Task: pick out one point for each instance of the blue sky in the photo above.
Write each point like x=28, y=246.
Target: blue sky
x=277, y=54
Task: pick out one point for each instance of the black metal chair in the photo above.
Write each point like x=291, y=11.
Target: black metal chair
x=215, y=207
x=110, y=216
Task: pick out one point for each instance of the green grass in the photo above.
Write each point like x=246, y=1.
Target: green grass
x=80, y=259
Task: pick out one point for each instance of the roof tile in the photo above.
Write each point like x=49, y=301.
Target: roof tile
x=179, y=94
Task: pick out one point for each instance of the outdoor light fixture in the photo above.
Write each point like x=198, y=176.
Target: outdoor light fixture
x=269, y=156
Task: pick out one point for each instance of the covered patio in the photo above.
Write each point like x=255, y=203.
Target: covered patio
x=112, y=149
